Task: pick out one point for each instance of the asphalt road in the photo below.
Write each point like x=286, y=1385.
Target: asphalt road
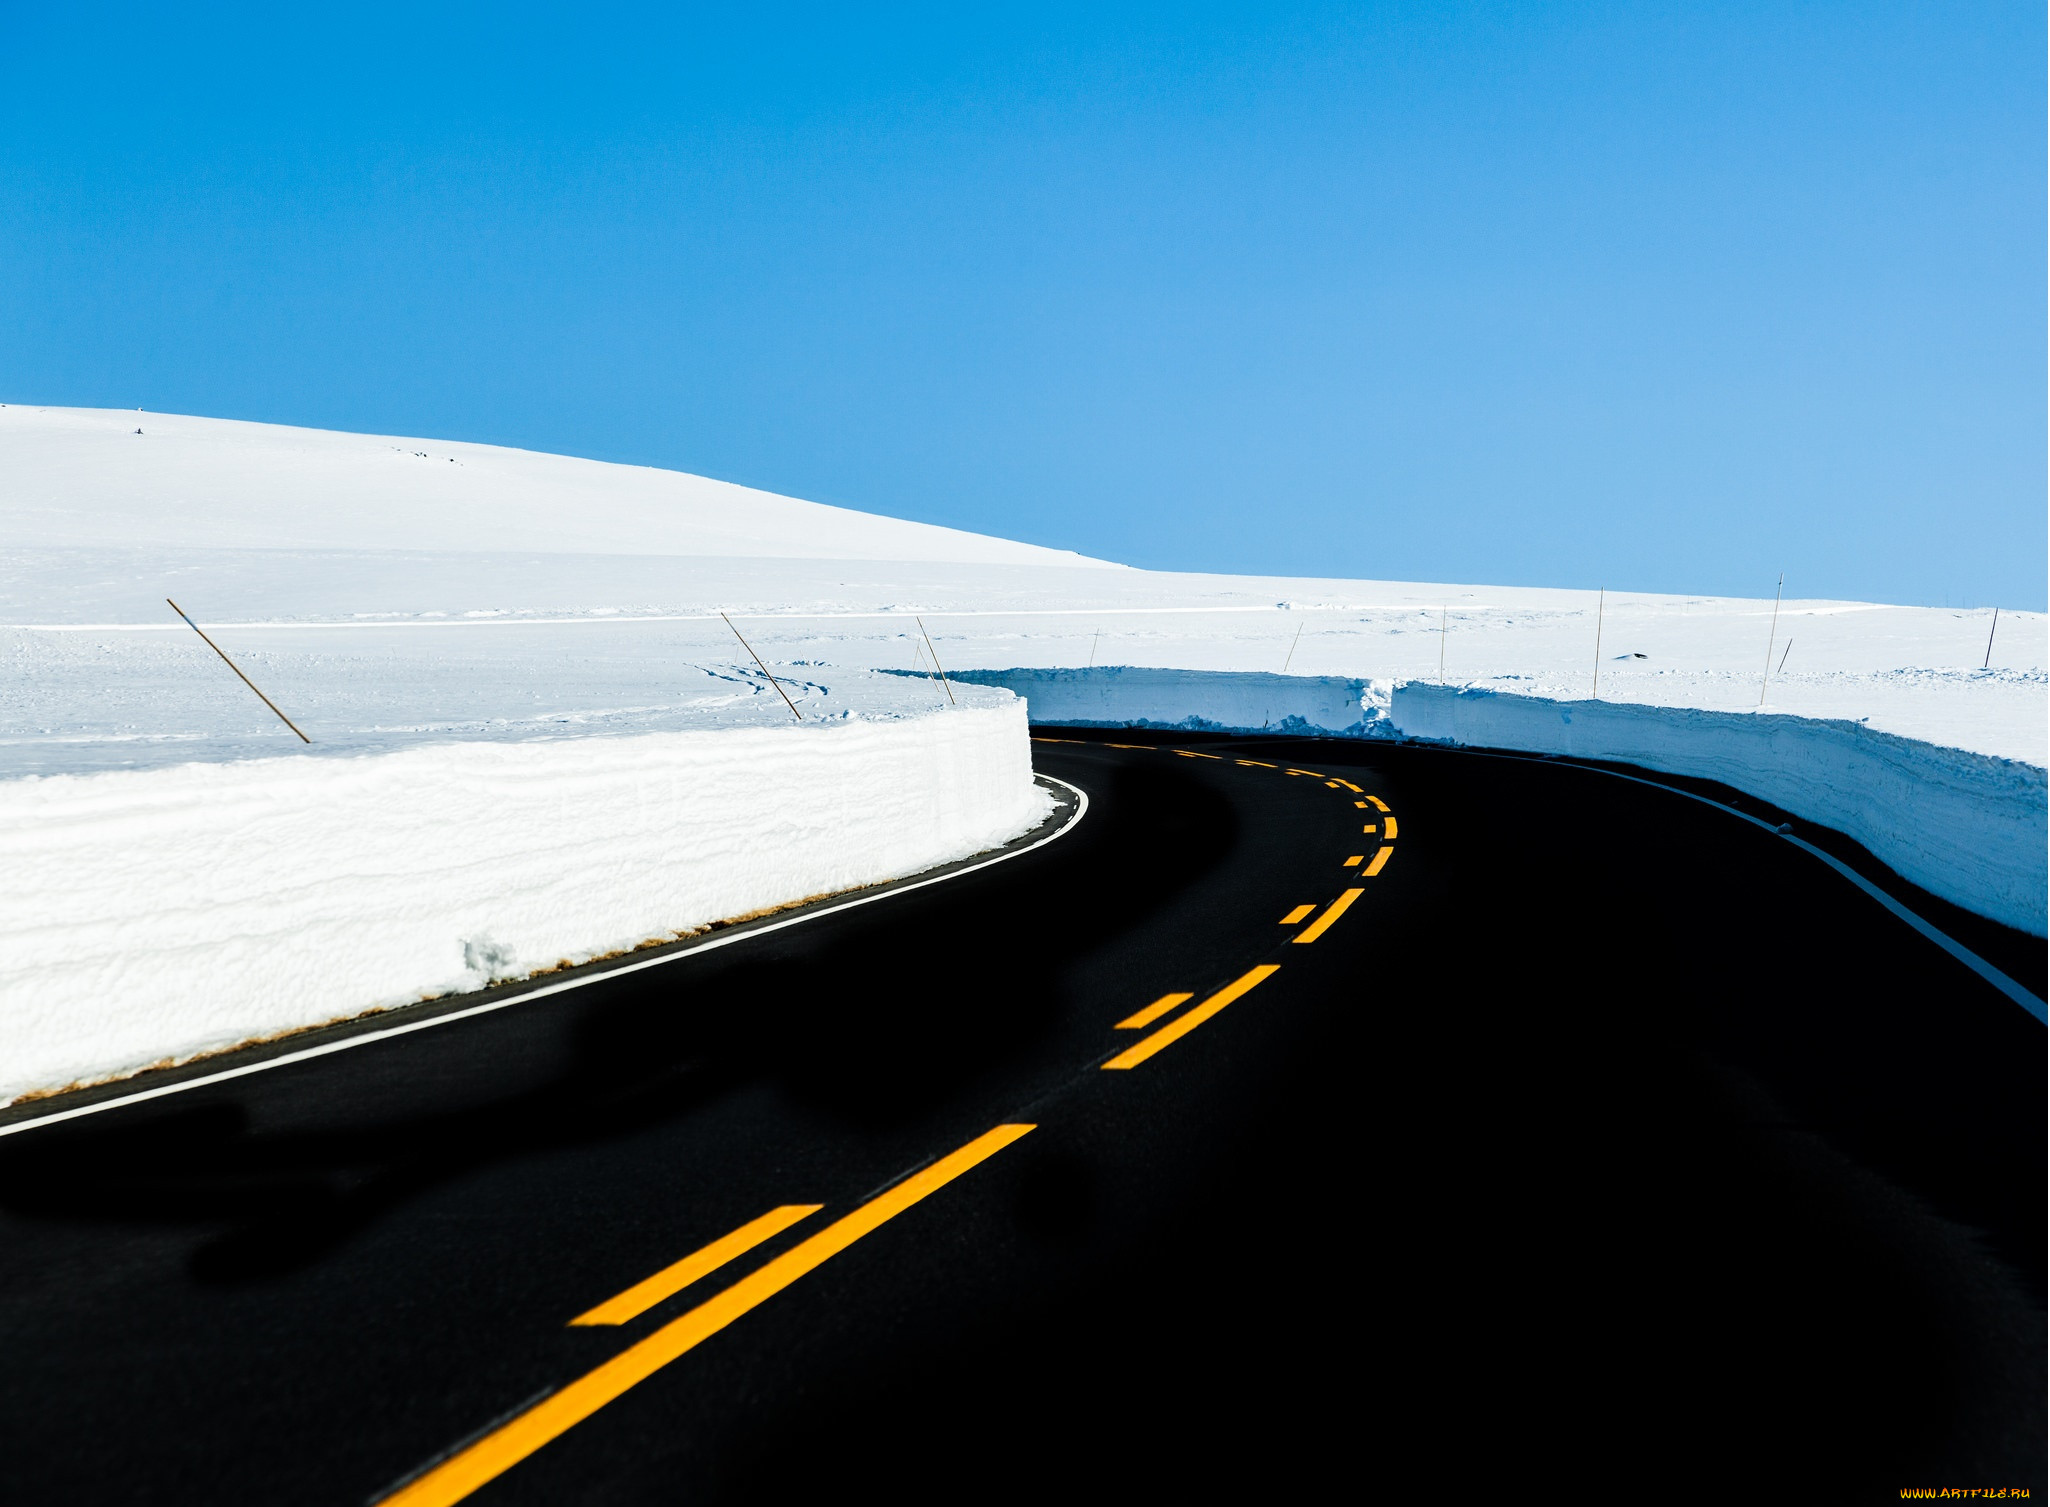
x=1604, y=1146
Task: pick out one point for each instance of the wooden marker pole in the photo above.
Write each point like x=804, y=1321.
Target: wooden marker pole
x=936, y=660
x=1601, y=600
x=1988, y=662
x=237, y=669
x=1289, y=659
x=763, y=668
x=1771, y=634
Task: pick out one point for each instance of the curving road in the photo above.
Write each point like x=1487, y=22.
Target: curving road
x=1310, y=1118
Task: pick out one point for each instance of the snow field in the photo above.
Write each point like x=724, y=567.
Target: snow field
x=151, y=915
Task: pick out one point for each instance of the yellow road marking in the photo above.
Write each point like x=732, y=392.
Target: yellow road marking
x=1349, y=785
x=1379, y=804
x=1361, y=804
x=1380, y=862
x=1368, y=828
x=1151, y=1013
x=1331, y=784
x=1185, y=753
x=1332, y=912
x=1353, y=862
x=504, y=1447
x=1186, y=1022
x=1142, y=747
x=642, y=1296
x=1253, y=764
x=1310, y=772
x=1058, y=740
x=1389, y=827
x=1297, y=914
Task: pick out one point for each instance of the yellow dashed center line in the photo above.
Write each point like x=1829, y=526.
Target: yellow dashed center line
x=504, y=1447
x=1353, y=862
x=1186, y=1022
x=1380, y=862
x=1151, y=1013
x=1297, y=914
x=642, y=1296
x=1332, y=912
x=1388, y=828
x=1379, y=804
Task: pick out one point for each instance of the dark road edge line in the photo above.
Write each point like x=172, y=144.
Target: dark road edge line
x=518, y=994
x=2007, y=986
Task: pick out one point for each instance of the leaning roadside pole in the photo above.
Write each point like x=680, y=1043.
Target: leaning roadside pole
x=1987, y=664
x=1600, y=601
x=763, y=668
x=1289, y=658
x=918, y=657
x=935, y=660
x=235, y=667
x=1771, y=634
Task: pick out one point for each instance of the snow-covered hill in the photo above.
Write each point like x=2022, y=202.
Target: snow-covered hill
x=107, y=477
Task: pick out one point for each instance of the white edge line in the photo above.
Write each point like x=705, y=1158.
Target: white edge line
x=2000, y=981
x=1081, y=810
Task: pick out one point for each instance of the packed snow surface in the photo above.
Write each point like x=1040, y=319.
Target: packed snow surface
x=440, y=601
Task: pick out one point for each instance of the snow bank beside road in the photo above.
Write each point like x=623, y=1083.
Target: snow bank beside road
x=1247, y=701
x=150, y=915
x=1970, y=828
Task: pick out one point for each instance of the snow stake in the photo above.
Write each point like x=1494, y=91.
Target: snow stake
x=935, y=659
x=1444, y=613
x=235, y=667
x=1770, y=635
x=1291, y=648
x=1988, y=663
x=763, y=668
x=1601, y=600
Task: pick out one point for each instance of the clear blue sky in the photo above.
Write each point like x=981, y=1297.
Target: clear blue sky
x=1662, y=297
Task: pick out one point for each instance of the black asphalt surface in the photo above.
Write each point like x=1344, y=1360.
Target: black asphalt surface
x=1608, y=1148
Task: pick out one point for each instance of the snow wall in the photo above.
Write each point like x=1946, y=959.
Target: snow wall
x=1970, y=828
x=151, y=915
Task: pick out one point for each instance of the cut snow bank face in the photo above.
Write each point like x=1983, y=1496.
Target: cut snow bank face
x=1129, y=696
x=150, y=915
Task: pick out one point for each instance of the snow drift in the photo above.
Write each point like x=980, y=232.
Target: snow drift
x=151, y=915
